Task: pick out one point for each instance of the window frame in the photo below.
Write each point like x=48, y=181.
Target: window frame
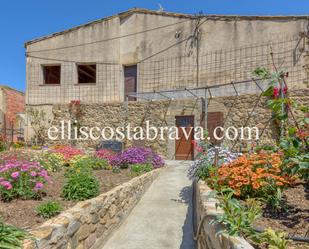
x=85, y=64
x=43, y=66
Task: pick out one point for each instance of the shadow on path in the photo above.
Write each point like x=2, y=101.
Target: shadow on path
x=187, y=238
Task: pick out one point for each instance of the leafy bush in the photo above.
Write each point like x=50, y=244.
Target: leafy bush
x=80, y=185
x=51, y=161
x=139, y=169
x=238, y=218
x=11, y=237
x=105, y=154
x=49, y=209
x=90, y=162
x=137, y=155
x=22, y=179
x=296, y=152
x=18, y=145
x=67, y=152
x=255, y=175
x=116, y=170
x=294, y=140
x=275, y=239
x=276, y=202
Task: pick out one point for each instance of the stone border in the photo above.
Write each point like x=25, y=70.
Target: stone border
x=209, y=237
x=90, y=223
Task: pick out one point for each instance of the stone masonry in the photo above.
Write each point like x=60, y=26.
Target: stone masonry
x=209, y=235
x=159, y=113
x=90, y=223
x=236, y=112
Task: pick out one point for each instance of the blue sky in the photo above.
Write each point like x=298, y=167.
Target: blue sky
x=24, y=20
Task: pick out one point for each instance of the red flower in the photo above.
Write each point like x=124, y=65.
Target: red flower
x=276, y=92
x=285, y=90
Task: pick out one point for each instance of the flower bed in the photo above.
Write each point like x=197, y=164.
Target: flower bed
x=35, y=185
x=263, y=194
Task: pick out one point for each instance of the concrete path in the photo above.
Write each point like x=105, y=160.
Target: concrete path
x=163, y=217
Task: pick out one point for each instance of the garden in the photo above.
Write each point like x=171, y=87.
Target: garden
x=40, y=182
x=264, y=192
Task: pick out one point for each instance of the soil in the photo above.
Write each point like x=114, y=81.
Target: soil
x=295, y=220
x=21, y=213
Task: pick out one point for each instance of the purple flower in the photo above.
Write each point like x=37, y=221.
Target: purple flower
x=43, y=173
x=137, y=155
x=15, y=175
x=39, y=185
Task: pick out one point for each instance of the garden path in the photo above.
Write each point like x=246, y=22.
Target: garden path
x=163, y=217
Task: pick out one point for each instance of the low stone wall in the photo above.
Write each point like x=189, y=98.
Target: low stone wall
x=209, y=236
x=90, y=223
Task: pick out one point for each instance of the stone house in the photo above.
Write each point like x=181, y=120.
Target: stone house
x=165, y=67
x=12, y=106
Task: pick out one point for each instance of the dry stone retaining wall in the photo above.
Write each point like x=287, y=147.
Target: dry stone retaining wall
x=159, y=113
x=90, y=223
x=209, y=237
x=236, y=112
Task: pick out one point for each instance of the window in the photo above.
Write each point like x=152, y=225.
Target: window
x=52, y=74
x=87, y=73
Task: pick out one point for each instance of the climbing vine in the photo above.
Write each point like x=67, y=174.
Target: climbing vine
x=294, y=139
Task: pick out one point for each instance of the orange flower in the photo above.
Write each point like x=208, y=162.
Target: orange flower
x=255, y=171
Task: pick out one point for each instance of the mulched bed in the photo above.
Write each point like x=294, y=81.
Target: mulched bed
x=21, y=213
x=295, y=221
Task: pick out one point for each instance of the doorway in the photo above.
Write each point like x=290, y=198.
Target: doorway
x=130, y=81
x=184, y=149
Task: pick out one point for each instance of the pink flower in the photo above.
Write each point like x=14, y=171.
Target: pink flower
x=33, y=173
x=276, y=92
x=15, y=175
x=39, y=185
x=6, y=184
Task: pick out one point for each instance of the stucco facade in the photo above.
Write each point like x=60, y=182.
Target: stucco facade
x=164, y=47
x=171, y=52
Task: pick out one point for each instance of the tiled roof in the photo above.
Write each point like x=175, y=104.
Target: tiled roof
x=12, y=89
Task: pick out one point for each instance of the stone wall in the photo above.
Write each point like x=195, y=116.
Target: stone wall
x=237, y=110
x=210, y=236
x=90, y=223
x=159, y=113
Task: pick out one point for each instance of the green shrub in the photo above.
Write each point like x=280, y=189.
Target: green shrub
x=88, y=162
x=80, y=185
x=275, y=239
x=238, y=218
x=116, y=170
x=139, y=169
x=49, y=209
x=11, y=237
x=276, y=202
x=51, y=161
x=18, y=145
